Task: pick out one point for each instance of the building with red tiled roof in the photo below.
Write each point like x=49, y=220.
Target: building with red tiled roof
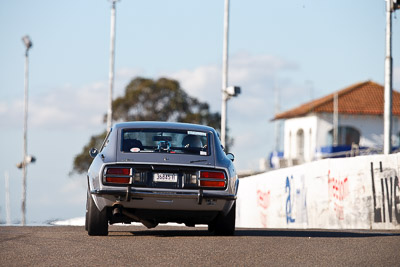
x=308, y=128
x=364, y=98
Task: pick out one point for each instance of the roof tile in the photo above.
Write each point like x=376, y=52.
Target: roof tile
x=366, y=98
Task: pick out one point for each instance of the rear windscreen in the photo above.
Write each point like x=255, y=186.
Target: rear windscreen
x=165, y=141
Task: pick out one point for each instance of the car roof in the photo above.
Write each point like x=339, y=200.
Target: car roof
x=162, y=125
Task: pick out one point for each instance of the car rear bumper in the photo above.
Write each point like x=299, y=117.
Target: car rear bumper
x=164, y=205
x=130, y=193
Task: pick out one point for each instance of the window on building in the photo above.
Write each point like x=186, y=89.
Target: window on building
x=346, y=136
x=397, y=142
x=290, y=145
x=300, y=143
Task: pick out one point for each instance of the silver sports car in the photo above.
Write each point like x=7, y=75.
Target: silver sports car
x=160, y=172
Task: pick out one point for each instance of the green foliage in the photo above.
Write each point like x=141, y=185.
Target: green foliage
x=161, y=100
x=149, y=100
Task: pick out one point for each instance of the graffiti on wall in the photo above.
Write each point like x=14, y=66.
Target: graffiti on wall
x=386, y=197
x=338, y=190
x=289, y=200
x=263, y=202
x=296, y=201
x=363, y=193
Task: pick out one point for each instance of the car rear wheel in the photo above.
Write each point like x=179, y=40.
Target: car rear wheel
x=87, y=211
x=224, y=225
x=96, y=221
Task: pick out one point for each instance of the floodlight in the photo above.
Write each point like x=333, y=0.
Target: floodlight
x=233, y=90
x=27, y=41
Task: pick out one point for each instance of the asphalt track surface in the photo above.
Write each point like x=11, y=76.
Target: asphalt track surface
x=183, y=246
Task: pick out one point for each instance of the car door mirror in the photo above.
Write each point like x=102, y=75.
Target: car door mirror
x=93, y=152
x=230, y=156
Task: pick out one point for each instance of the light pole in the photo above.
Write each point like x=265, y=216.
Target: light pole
x=225, y=73
x=111, y=70
x=28, y=44
x=391, y=6
x=227, y=92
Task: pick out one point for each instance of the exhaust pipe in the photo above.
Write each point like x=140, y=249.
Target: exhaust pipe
x=119, y=211
x=146, y=223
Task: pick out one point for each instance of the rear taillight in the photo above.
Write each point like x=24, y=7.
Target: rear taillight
x=119, y=171
x=118, y=180
x=212, y=179
x=118, y=175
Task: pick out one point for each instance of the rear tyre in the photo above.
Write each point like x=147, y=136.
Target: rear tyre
x=87, y=211
x=224, y=225
x=96, y=221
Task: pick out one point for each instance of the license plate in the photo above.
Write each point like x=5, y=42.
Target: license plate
x=165, y=177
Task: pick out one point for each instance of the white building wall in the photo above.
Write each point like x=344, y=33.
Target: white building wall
x=292, y=127
x=324, y=125
x=395, y=132
x=317, y=126
x=370, y=128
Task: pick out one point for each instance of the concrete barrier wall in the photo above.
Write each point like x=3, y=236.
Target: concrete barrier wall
x=349, y=193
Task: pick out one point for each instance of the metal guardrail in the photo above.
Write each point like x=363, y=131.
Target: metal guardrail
x=355, y=151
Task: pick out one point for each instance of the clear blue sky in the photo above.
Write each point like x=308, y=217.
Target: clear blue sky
x=302, y=48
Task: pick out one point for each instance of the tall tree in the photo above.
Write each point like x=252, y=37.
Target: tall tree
x=161, y=100
x=150, y=100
